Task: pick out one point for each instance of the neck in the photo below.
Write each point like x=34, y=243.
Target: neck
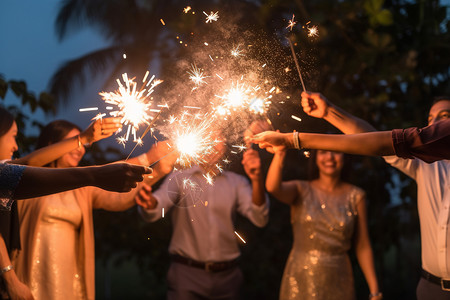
x=329, y=182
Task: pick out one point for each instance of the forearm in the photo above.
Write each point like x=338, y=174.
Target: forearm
x=346, y=122
x=371, y=143
x=36, y=182
x=258, y=195
x=275, y=173
x=50, y=153
x=366, y=262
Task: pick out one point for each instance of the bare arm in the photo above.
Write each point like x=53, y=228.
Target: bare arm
x=16, y=289
x=285, y=192
x=36, y=182
x=363, y=250
x=378, y=143
x=316, y=105
x=98, y=130
x=252, y=166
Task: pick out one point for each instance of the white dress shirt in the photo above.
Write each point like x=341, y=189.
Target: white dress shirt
x=203, y=216
x=433, y=202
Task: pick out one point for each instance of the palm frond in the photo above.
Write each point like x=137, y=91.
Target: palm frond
x=74, y=71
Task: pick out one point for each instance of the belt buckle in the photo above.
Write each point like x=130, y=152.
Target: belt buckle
x=445, y=285
x=208, y=266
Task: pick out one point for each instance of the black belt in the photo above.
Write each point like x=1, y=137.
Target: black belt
x=445, y=284
x=207, y=266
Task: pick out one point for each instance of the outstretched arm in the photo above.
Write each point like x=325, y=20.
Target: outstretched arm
x=98, y=130
x=120, y=177
x=377, y=143
x=316, y=105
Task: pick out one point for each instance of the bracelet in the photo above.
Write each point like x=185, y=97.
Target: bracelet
x=295, y=140
x=6, y=269
x=375, y=295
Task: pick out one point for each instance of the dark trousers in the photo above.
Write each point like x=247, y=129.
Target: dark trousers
x=431, y=291
x=191, y=283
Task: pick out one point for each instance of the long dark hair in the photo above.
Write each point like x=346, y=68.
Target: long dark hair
x=6, y=121
x=313, y=169
x=54, y=132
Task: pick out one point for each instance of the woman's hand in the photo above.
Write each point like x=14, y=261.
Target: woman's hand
x=100, y=129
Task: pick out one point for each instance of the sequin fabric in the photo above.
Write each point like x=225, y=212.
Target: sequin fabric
x=9, y=179
x=55, y=271
x=318, y=266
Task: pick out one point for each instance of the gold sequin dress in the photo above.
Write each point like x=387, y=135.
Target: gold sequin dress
x=318, y=267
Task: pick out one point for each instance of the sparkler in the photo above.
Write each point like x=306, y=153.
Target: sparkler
x=145, y=132
x=133, y=105
x=296, y=63
x=313, y=31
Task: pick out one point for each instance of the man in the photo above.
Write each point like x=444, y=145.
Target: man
x=204, y=247
x=433, y=193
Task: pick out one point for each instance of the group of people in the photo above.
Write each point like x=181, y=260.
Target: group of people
x=328, y=215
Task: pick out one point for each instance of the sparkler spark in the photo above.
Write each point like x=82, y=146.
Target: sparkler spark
x=196, y=75
x=186, y=9
x=240, y=237
x=313, y=31
x=291, y=23
x=236, y=51
x=193, y=138
x=213, y=16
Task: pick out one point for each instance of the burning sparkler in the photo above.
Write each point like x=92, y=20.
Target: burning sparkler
x=133, y=104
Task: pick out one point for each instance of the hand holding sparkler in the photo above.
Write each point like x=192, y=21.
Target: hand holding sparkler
x=315, y=104
x=274, y=141
x=100, y=129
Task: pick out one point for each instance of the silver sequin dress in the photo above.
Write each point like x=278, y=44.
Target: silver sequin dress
x=318, y=267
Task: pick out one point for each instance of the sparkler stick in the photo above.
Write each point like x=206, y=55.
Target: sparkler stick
x=296, y=63
x=145, y=132
x=155, y=162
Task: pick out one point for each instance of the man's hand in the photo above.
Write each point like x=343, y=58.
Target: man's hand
x=145, y=198
x=252, y=164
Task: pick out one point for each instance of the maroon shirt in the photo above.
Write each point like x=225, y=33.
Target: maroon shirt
x=430, y=143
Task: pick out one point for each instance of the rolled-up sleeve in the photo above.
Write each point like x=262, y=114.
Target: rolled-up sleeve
x=429, y=144
x=10, y=176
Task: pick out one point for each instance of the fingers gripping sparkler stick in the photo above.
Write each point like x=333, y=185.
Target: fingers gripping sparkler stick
x=296, y=63
x=145, y=132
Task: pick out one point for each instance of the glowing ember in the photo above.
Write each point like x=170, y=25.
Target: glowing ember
x=213, y=16
x=291, y=23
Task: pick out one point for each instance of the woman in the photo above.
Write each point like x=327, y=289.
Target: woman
x=18, y=182
x=57, y=234
x=328, y=218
